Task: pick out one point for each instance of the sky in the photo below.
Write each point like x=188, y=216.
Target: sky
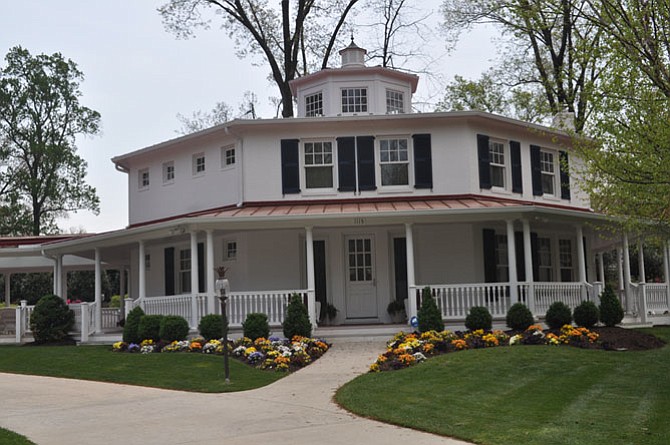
x=139, y=77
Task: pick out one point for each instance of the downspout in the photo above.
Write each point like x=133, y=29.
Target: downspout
x=239, y=160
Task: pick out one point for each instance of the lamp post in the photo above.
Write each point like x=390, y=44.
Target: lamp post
x=223, y=287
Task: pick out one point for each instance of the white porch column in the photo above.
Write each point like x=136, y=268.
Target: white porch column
x=619, y=267
x=640, y=259
x=511, y=264
x=8, y=298
x=411, y=292
x=98, y=292
x=195, y=282
x=666, y=264
x=58, y=278
x=63, y=284
x=311, y=295
x=581, y=258
x=122, y=291
x=211, y=293
x=55, y=277
x=626, y=274
x=528, y=266
x=142, y=274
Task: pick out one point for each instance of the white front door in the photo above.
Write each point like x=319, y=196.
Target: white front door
x=360, y=277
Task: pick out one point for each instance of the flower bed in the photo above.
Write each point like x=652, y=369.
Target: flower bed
x=408, y=349
x=274, y=353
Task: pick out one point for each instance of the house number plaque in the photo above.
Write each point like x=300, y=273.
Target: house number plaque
x=359, y=221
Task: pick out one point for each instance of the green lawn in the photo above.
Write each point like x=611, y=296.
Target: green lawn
x=180, y=371
x=10, y=438
x=526, y=395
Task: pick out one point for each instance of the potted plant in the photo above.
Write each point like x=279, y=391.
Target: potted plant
x=396, y=310
x=328, y=313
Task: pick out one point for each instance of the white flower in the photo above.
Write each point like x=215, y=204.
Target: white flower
x=419, y=357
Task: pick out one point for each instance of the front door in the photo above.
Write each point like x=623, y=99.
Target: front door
x=361, y=277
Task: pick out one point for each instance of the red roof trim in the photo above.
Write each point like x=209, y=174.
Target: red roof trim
x=309, y=207
x=16, y=241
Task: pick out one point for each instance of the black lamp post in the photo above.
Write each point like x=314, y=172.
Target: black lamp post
x=223, y=287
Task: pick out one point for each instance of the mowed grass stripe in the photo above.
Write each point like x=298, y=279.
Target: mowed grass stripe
x=527, y=395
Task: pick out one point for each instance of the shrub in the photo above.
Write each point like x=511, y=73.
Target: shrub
x=297, y=319
x=479, y=317
x=558, y=315
x=586, y=314
x=173, y=327
x=131, y=325
x=611, y=312
x=51, y=320
x=519, y=317
x=211, y=327
x=430, y=318
x=150, y=327
x=256, y=326
x=115, y=301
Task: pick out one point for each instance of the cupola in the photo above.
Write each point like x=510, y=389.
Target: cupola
x=353, y=56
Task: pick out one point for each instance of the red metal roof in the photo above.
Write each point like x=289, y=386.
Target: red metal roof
x=17, y=241
x=364, y=205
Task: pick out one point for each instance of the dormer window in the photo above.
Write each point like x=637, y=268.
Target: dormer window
x=395, y=102
x=314, y=104
x=354, y=100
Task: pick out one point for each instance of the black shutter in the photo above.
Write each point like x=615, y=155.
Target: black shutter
x=515, y=157
x=534, y=248
x=290, y=166
x=423, y=162
x=346, y=164
x=565, y=175
x=520, y=257
x=201, y=267
x=489, y=238
x=484, y=157
x=365, y=147
x=168, y=262
x=536, y=170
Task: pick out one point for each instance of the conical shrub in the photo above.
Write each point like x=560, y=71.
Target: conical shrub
x=430, y=318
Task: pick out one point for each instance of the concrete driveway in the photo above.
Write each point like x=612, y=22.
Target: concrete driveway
x=295, y=410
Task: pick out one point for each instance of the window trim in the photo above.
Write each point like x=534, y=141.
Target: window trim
x=143, y=179
x=225, y=150
x=196, y=157
x=396, y=110
x=505, y=166
x=167, y=180
x=184, y=274
x=409, y=162
x=226, y=250
x=359, y=90
x=555, y=173
x=304, y=166
x=318, y=110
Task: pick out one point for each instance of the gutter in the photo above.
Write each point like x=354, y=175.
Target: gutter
x=240, y=172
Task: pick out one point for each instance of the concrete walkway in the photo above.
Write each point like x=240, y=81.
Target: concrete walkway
x=295, y=410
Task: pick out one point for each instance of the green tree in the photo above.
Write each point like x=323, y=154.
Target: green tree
x=628, y=161
x=40, y=117
x=550, y=44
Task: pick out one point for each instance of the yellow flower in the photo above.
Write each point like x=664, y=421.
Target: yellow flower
x=374, y=367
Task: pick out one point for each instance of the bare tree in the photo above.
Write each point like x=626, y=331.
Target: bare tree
x=279, y=35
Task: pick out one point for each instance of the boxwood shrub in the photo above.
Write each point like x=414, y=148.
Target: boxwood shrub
x=51, y=320
x=519, y=317
x=586, y=314
x=256, y=326
x=131, y=325
x=558, y=315
x=150, y=327
x=479, y=317
x=211, y=327
x=173, y=327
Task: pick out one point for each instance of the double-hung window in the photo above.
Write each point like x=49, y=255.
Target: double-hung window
x=168, y=172
x=198, y=164
x=354, y=100
x=497, y=164
x=318, y=164
x=314, y=104
x=395, y=102
x=227, y=156
x=565, y=260
x=502, y=267
x=546, y=272
x=143, y=179
x=548, y=169
x=185, y=271
x=394, y=161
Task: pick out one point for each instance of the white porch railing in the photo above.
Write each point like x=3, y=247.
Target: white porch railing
x=271, y=303
x=455, y=300
x=657, y=298
x=191, y=307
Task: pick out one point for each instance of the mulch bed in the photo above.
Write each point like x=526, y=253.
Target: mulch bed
x=619, y=339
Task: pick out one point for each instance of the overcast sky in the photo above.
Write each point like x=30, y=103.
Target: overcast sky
x=139, y=77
